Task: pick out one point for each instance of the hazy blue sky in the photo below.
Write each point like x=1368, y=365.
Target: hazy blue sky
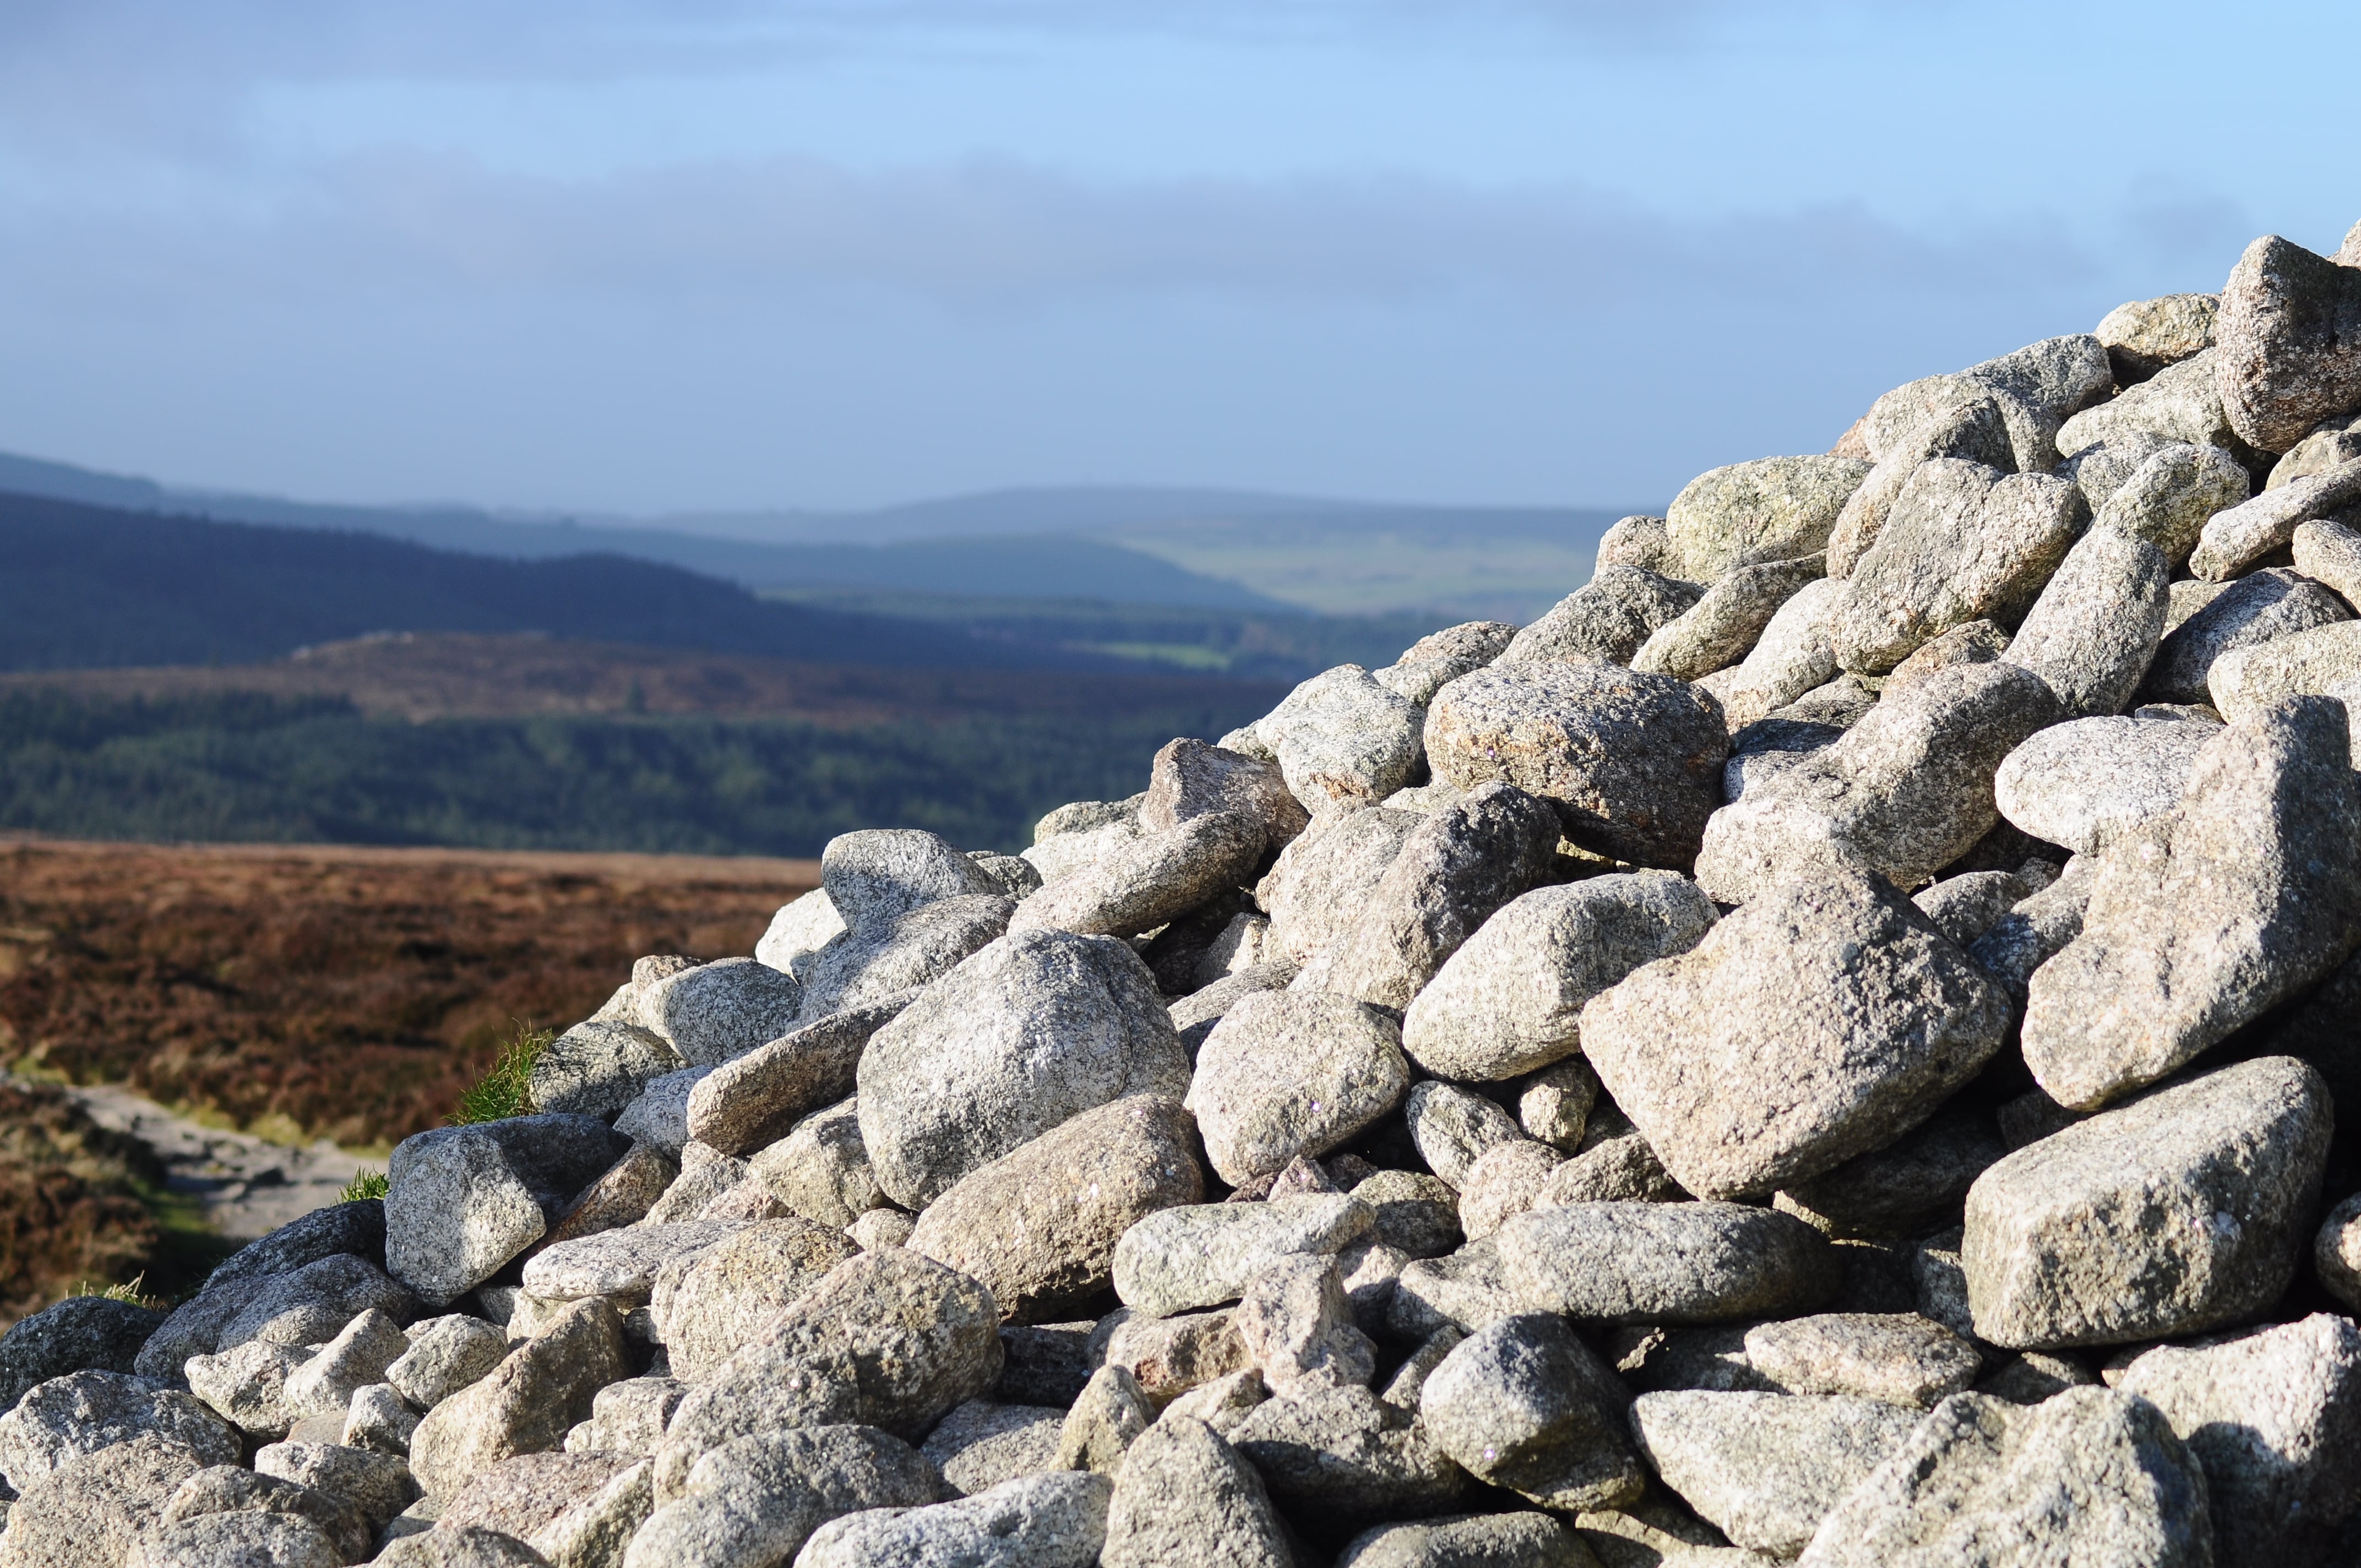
x=715, y=253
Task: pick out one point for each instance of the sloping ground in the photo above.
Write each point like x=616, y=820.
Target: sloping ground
x=349, y=994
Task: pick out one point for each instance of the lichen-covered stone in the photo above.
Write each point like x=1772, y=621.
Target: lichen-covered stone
x=1773, y=509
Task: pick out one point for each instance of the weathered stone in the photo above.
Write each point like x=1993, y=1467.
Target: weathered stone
x=1773, y=509
x=228, y=1489
x=1190, y=779
x=1298, y=1325
x=2181, y=404
x=1453, y=1127
x=526, y=1404
x=2333, y=441
x=756, y=1500
x=1632, y=762
x=1965, y=906
x=2290, y=342
x=746, y=1104
x=1313, y=894
x=1107, y=1417
x=762, y=1391
x=628, y=1417
x=1461, y=1291
x=2092, y=1476
x=659, y=1117
x=2248, y=894
x=1077, y=834
x=1151, y=881
x=1038, y=1226
x=1439, y=657
x=2255, y=608
x=2168, y=498
x=1029, y=1033
x=2179, y=1211
x=2337, y=1251
x=1664, y=1263
x=1510, y=999
x=378, y=1485
x=1453, y=870
x=1343, y=737
x=1416, y=1214
x=2237, y=537
x=235, y=1540
x=1792, y=656
x=80, y=1334
x=1898, y=1357
x=1204, y=1254
x=1962, y=419
x=325, y=1382
x=1916, y=1184
x=874, y=964
x=378, y=1418
x=2274, y=1419
x=1523, y=1404
x=1293, y=1072
x=822, y=1168
x=2329, y=551
x=1637, y=541
x=2087, y=784
x=1509, y=1178
x=1553, y=1105
x=1904, y=793
x=1040, y=1521
x=1165, y=1357
x=710, y=1300
x=706, y=1174
x=1766, y=1468
x=1471, y=1541
x=1345, y=1455
x=878, y=875
x=720, y=1010
x=89, y=1512
x=463, y=1548
x=1186, y=1500
x=2143, y=336
x=1815, y=1023
x=461, y=1201
x=1719, y=628
x=66, y=1418
x=1605, y=622
x=980, y=1445
x=802, y=926
x=2093, y=630
x=2103, y=467
x=595, y=1068
x=312, y=1304
x=1618, y=1170
x=2322, y=661
x=578, y=1510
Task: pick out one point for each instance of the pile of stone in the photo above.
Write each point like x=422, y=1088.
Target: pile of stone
x=1823, y=1048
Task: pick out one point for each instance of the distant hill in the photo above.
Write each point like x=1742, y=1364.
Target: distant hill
x=92, y=586
x=1135, y=545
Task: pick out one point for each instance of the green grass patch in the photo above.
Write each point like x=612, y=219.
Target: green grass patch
x=365, y=1184
x=507, y=1088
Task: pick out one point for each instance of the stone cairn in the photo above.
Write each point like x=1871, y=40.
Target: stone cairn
x=1821, y=1049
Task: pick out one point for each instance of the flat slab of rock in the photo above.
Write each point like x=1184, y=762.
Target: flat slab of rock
x=1814, y=1024
x=2092, y=1476
x=1765, y=1469
x=1206, y=1254
x=1664, y=1263
x=618, y=1263
x=1899, y=1357
x=755, y=1100
x=1772, y=509
x=2179, y=1211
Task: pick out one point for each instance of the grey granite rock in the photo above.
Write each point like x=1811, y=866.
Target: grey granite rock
x=2274, y=1420
x=1078, y=833
x=628, y=1417
x=1298, y=1325
x=980, y=1445
x=2180, y=404
x=802, y=926
x=1605, y=622
x=1773, y=509
x=1767, y=1469
x=595, y=1068
x=1815, y=1023
x=1632, y=762
x=378, y=1418
x=2248, y=894
x=2168, y=498
x=2329, y=552
x=461, y=1201
x=1453, y=1127
x=2323, y=661
x=2255, y=608
x=872, y=965
x=1440, y=657
x=921, y=1338
x=1664, y=1263
x=1293, y=1072
x=246, y=1386
x=757, y=1099
x=1151, y=881
x=1554, y=1104
x=1965, y=542
x=527, y=1403
x=67, y=1418
x=1040, y=1521
x=1202, y=1255
x=2237, y=537
x=1106, y=1418
x=2290, y=342
x=1965, y=906
x=1962, y=418
x=92, y=1510
x=1912, y=1186
x=1900, y=1358
x=578, y=1510
x=1030, y=1032
x=1720, y=628
x=877, y=875
x=2337, y=1252
x=229, y=1489
x=623, y=1194
x=1454, y=869
x=236, y=1540
x=822, y=1168
x=710, y=1300
x=357, y=1357
x=2143, y=336
x=1508, y=1179
x=2103, y=467
x=1618, y=1169
x=1460, y=1291
x=1471, y=1541
x=1038, y=1226
x=720, y=1010
x=379, y=1486
x=1343, y=737
x=1190, y=779
x=1186, y=1500
x=465, y=1547
x=2092, y=1476
x=1169, y=1357
x=1415, y=1214
x=2180, y=1212
x=2095, y=628
x=80, y=1334
x=1525, y=1404
x=754, y=1501
x=1194, y=1016
x=1510, y=999
x=763, y=1391
x=309, y=1305
x=1904, y=793
x=1792, y=656
x=2086, y=783
x=2057, y=376
x=1344, y=1457
x=1639, y=541
x=1313, y=894
x=658, y=1117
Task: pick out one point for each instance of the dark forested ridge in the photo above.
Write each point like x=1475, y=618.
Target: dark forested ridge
x=86, y=586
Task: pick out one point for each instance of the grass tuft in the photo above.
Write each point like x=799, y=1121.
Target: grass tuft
x=133, y=1290
x=366, y=1184
x=507, y=1089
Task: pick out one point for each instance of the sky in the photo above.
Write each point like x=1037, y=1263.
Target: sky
x=623, y=256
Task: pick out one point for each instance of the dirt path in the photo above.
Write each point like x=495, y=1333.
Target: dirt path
x=248, y=1187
